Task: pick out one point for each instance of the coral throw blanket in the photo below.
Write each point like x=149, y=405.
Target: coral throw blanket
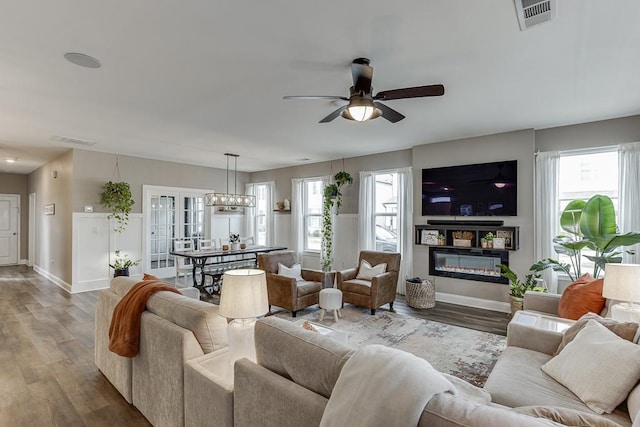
x=124, y=332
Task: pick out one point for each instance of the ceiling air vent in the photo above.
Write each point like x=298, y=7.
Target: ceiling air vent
x=74, y=141
x=534, y=12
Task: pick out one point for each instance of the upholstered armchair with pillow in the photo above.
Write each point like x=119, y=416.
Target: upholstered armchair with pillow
x=373, y=282
x=288, y=284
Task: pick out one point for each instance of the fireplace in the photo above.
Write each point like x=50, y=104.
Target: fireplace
x=469, y=264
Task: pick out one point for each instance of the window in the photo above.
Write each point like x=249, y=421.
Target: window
x=386, y=211
x=312, y=208
x=583, y=175
x=262, y=205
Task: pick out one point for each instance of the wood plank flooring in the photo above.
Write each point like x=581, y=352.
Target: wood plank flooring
x=47, y=371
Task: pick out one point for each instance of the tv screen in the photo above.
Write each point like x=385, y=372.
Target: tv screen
x=484, y=189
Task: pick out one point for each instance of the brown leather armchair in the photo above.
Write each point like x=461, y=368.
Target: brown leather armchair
x=381, y=289
x=286, y=292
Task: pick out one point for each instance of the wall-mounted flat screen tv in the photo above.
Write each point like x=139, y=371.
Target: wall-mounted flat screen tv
x=484, y=189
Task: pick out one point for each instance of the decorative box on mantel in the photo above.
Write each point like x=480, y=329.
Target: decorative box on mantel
x=463, y=243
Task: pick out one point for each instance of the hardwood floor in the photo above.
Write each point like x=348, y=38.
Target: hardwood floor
x=47, y=371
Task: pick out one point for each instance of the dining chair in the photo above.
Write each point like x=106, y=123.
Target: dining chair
x=184, y=268
x=249, y=240
x=207, y=244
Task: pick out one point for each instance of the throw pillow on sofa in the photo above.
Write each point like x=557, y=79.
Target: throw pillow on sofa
x=597, y=366
x=295, y=271
x=581, y=297
x=367, y=272
x=625, y=330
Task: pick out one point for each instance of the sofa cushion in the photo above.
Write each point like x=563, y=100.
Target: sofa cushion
x=517, y=380
x=566, y=417
x=306, y=288
x=633, y=404
x=357, y=286
x=598, y=366
x=625, y=330
x=581, y=297
x=307, y=358
x=201, y=318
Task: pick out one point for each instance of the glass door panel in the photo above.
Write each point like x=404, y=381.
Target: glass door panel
x=162, y=233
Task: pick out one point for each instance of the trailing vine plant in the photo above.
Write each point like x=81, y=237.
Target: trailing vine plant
x=116, y=196
x=332, y=197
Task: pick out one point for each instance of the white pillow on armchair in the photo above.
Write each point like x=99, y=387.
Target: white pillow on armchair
x=367, y=272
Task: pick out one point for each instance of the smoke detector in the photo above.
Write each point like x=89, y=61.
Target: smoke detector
x=534, y=12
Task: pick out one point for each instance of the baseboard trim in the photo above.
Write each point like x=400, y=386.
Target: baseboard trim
x=55, y=279
x=503, y=307
x=24, y=262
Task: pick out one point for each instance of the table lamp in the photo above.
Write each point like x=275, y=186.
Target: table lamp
x=622, y=283
x=243, y=299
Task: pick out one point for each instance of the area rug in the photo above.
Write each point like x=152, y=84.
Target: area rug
x=462, y=352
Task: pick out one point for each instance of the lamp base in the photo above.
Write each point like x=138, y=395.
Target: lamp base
x=625, y=312
x=241, y=341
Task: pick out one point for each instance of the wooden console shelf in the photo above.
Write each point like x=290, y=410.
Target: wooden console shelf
x=428, y=235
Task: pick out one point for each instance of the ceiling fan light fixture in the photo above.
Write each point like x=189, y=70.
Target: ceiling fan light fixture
x=499, y=184
x=361, y=113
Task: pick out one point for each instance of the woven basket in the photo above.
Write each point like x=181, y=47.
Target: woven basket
x=421, y=295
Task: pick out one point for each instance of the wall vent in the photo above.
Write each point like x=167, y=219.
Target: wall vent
x=534, y=12
x=74, y=141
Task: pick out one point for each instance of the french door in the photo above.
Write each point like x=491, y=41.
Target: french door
x=171, y=213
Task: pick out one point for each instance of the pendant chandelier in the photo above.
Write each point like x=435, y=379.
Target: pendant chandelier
x=231, y=200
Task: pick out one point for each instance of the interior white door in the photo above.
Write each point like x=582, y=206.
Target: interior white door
x=9, y=213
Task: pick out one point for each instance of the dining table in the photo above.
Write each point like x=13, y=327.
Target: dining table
x=213, y=262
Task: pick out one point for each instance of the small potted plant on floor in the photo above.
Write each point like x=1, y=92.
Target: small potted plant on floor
x=121, y=264
x=517, y=288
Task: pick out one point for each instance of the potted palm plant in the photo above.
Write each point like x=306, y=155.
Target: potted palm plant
x=121, y=264
x=517, y=287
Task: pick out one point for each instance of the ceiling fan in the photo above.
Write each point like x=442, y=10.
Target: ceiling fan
x=363, y=105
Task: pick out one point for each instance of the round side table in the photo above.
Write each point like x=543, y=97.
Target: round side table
x=331, y=300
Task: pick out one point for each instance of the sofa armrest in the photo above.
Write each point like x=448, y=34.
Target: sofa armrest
x=348, y=274
x=532, y=338
x=541, y=302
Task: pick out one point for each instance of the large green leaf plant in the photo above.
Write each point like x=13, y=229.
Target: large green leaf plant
x=591, y=225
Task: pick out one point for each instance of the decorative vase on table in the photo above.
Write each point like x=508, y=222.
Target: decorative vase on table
x=235, y=246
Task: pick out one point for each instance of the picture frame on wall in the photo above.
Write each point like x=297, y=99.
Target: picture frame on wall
x=507, y=236
x=498, y=243
x=429, y=237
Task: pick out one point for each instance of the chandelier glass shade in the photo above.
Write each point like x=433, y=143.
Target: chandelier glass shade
x=231, y=200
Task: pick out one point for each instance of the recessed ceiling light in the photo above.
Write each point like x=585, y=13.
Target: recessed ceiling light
x=82, y=60
x=11, y=160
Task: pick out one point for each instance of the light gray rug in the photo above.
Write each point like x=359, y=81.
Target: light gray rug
x=465, y=353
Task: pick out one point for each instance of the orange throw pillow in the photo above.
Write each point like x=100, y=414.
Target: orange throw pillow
x=581, y=297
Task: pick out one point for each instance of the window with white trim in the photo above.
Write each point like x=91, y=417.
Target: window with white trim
x=386, y=211
x=584, y=174
x=313, y=189
x=262, y=204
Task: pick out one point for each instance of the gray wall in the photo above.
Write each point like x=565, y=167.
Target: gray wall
x=353, y=165
x=518, y=146
x=589, y=135
x=11, y=183
x=93, y=169
x=53, y=232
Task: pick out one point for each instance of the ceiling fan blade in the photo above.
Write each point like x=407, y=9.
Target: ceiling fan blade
x=316, y=97
x=362, y=74
x=333, y=115
x=410, y=92
x=389, y=113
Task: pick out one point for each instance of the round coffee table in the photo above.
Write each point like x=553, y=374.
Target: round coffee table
x=331, y=300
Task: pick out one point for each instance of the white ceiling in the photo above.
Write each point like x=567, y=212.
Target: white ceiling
x=187, y=81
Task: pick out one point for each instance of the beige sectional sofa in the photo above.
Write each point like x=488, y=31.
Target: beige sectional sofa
x=174, y=329
x=292, y=387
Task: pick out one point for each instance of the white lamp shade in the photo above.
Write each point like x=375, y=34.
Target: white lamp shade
x=622, y=282
x=244, y=294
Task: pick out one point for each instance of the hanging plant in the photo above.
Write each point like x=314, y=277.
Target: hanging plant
x=332, y=198
x=116, y=196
